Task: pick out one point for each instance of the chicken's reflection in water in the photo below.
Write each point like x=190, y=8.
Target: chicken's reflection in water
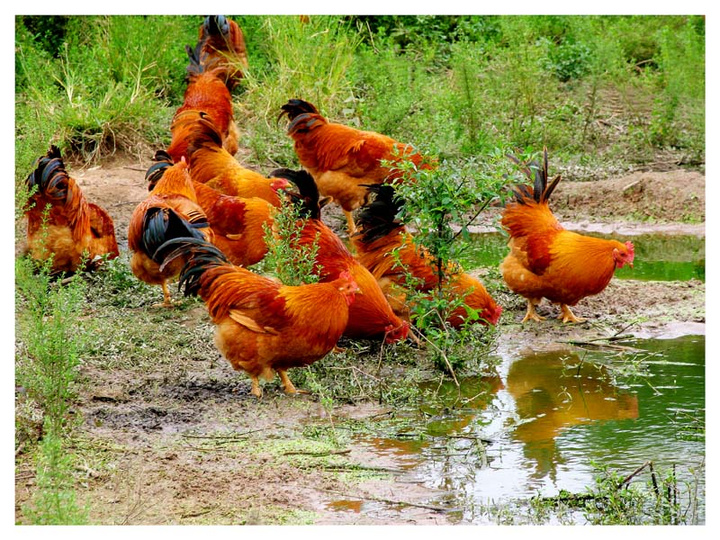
x=555, y=391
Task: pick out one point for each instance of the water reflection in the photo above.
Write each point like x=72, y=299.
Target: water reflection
x=542, y=424
x=553, y=392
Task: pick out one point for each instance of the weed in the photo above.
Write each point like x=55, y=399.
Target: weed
x=291, y=263
x=54, y=501
x=435, y=203
x=47, y=362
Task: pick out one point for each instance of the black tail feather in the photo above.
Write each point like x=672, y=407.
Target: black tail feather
x=201, y=254
x=163, y=224
x=378, y=218
x=307, y=199
x=155, y=172
x=216, y=25
x=50, y=176
x=538, y=173
x=296, y=107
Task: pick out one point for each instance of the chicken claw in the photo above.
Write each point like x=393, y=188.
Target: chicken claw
x=531, y=313
x=568, y=316
x=288, y=386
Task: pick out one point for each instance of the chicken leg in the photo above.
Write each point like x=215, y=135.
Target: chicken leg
x=288, y=386
x=568, y=316
x=167, y=299
x=531, y=313
x=255, y=389
x=350, y=222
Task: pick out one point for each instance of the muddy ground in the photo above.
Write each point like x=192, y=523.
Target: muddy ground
x=185, y=443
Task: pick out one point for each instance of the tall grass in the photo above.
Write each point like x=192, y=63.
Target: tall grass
x=307, y=60
x=591, y=88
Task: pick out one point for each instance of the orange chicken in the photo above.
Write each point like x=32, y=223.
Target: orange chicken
x=343, y=159
x=75, y=230
x=547, y=261
x=212, y=165
x=170, y=211
x=263, y=327
x=206, y=93
x=221, y=41
x=371, y=316
x=238, y=224
x=380, y=235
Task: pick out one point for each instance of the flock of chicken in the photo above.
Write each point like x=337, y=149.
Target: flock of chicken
x=205, y=216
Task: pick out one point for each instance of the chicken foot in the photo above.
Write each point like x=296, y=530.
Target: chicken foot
x=568, y=316
x=350, y=222
x=531, y=313
x=288, y=386
x=255, y=389
x=167, y=299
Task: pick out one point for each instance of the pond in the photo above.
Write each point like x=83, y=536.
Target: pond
x=658, y=257
x=548, y=419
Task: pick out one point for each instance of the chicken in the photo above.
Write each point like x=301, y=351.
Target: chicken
x=371, y=316
x=170, y=211
x=74, y=230
x=263, y=326
x=222, y=42
x=206, y=93
x=342, y=159
x=547, y=261
x=212, y=165
x=238, y=224
x=380, y=235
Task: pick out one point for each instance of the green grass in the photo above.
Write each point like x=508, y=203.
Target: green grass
x=604, y=88
x=50, y=341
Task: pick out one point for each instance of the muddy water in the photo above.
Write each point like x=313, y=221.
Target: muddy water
x=659, y=257
x=548, y=419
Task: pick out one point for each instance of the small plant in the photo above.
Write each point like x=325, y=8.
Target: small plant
x=52, y=339
x=54, y=501
x=290, y=262
x=439, y=206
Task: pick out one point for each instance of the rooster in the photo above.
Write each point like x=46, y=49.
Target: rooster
x=547, y=261
x=212, y=165
x=371, y=316
x=221, y=42
x=170, y=211
x=343, y=159
x=380, y=235
x=73, y=230
x=238, y=224
x=206, y=93
x=262, y=326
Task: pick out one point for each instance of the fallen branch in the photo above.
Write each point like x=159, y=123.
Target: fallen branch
x=593, y=343
x=196, y=514
x=318, y=454
x=634, y=474
x=391, y=501
x=349, y=467
x=471, y=437
x=223, y=438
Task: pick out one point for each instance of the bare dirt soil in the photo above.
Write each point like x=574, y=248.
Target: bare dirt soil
x=188, y=444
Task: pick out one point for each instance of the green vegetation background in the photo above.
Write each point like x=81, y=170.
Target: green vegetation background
x=598, y=91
